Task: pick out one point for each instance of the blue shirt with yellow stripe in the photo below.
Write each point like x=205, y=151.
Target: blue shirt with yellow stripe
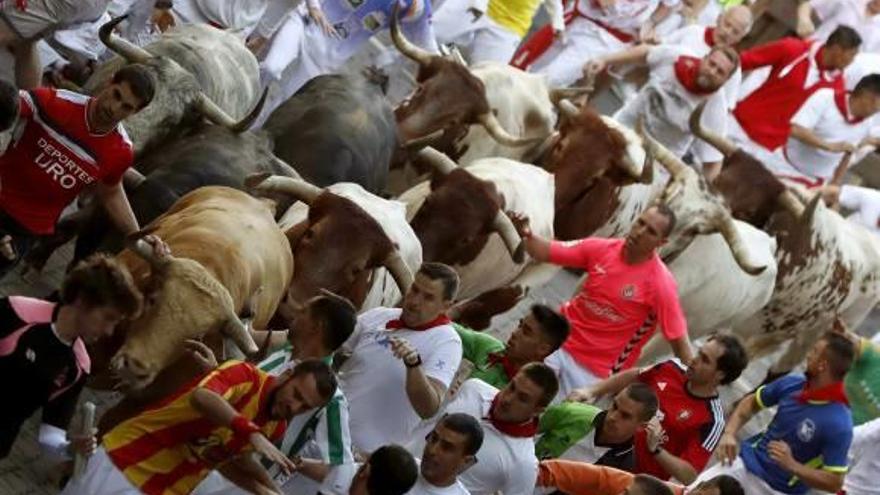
x=819, y=434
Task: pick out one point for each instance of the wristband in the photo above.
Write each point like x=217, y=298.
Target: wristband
x=243, y=427
x=417, y=362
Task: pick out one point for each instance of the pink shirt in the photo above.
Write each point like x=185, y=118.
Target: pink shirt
x=619, y=305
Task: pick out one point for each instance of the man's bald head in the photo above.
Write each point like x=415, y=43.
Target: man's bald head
x=733, y=24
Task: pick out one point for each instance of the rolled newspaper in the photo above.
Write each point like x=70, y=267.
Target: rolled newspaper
x=86, y=426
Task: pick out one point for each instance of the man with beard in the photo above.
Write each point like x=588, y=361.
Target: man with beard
x=233, y=411
x=681, y=78
x=805, y=445
x=680, y=442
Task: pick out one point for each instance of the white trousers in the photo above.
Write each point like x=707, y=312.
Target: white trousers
x=751, y=484
x=563, y=63
x=101, y=477
x=570, y=373
x=481, y=40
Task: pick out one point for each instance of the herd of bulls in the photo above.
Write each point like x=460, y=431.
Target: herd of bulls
x=254, y=217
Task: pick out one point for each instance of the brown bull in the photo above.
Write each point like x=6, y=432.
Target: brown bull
x=589, y=161
x=339, y=245
x=447, y=100
x=227, y=254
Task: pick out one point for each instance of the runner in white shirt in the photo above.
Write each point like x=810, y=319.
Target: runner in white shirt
x=864, y=459
x=402, y=361
x=861, y=15
x=690, y=13
x=450, y=449
x=728, y=29
x=390, y=470
x=592, y=30
x=679, y=81
x=864, y=203
x=316, y=330
x=506, y=462
x=828, y=125
x=490, y=30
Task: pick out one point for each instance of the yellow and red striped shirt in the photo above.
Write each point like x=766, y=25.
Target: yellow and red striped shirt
x=170, y=447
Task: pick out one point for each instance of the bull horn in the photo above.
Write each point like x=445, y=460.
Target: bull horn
x=418, y=143
x=647, y=175
x=406, y=47
x=120, y=46
x=669, y=161
x=206, y=106
x=810, y=211
x=239, y=330
x=298, y=188
x=722, y=144
x=401, y=273
x=494, y=128
x=737, y=246
x=514, y=243
x=567, y=108
x=439, y=161
x=143, y=249
x=790, y=203
x=558, y=94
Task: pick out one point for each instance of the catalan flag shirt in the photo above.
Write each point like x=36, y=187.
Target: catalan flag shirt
x=169, y=448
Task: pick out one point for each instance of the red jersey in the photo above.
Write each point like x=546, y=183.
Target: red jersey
x=693, y=424
x=618, y=307
x=171, y=447
x=54, y=155
x=796, y=73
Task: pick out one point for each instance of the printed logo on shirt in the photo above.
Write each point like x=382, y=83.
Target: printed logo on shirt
x=628, y=291
x=60, y=167
x=806, y=430
x=599, y=269
x=374, y=21
x=61, y=377
x=209, y=449
x=355, y=3
x=684, y=415
x=30, y=355
x=661, y=386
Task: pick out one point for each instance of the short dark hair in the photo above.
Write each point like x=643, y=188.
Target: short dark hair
x=644, y=395
x=727, y=485
x=839, y=352
x=9, y=104
x=139, y=79
x=393, y=471
x=325, y=379
x=468, y=426
x=667, y=212
x=443, y=273
x=870, y=83
x=844, y=37
x=651, y=485
x=338, y=317
x=734, y=359
x=543, y=376
x=101, y=280
x=554, y=326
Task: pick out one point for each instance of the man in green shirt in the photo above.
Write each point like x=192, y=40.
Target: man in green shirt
x=862, y=382
x=540, y=333
x=586, y=433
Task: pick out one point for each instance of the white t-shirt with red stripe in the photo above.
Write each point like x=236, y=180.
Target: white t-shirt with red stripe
x=54, y=155
x=821, y=115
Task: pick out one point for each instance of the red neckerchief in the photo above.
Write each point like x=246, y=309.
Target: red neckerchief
x=501, y=358
x=516, y=430
x=436, y=322
x=829, y=393
x=686, y=70
x=841, y=98
x=709, y=36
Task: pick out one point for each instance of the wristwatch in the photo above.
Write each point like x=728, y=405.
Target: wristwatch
x=417, y=362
